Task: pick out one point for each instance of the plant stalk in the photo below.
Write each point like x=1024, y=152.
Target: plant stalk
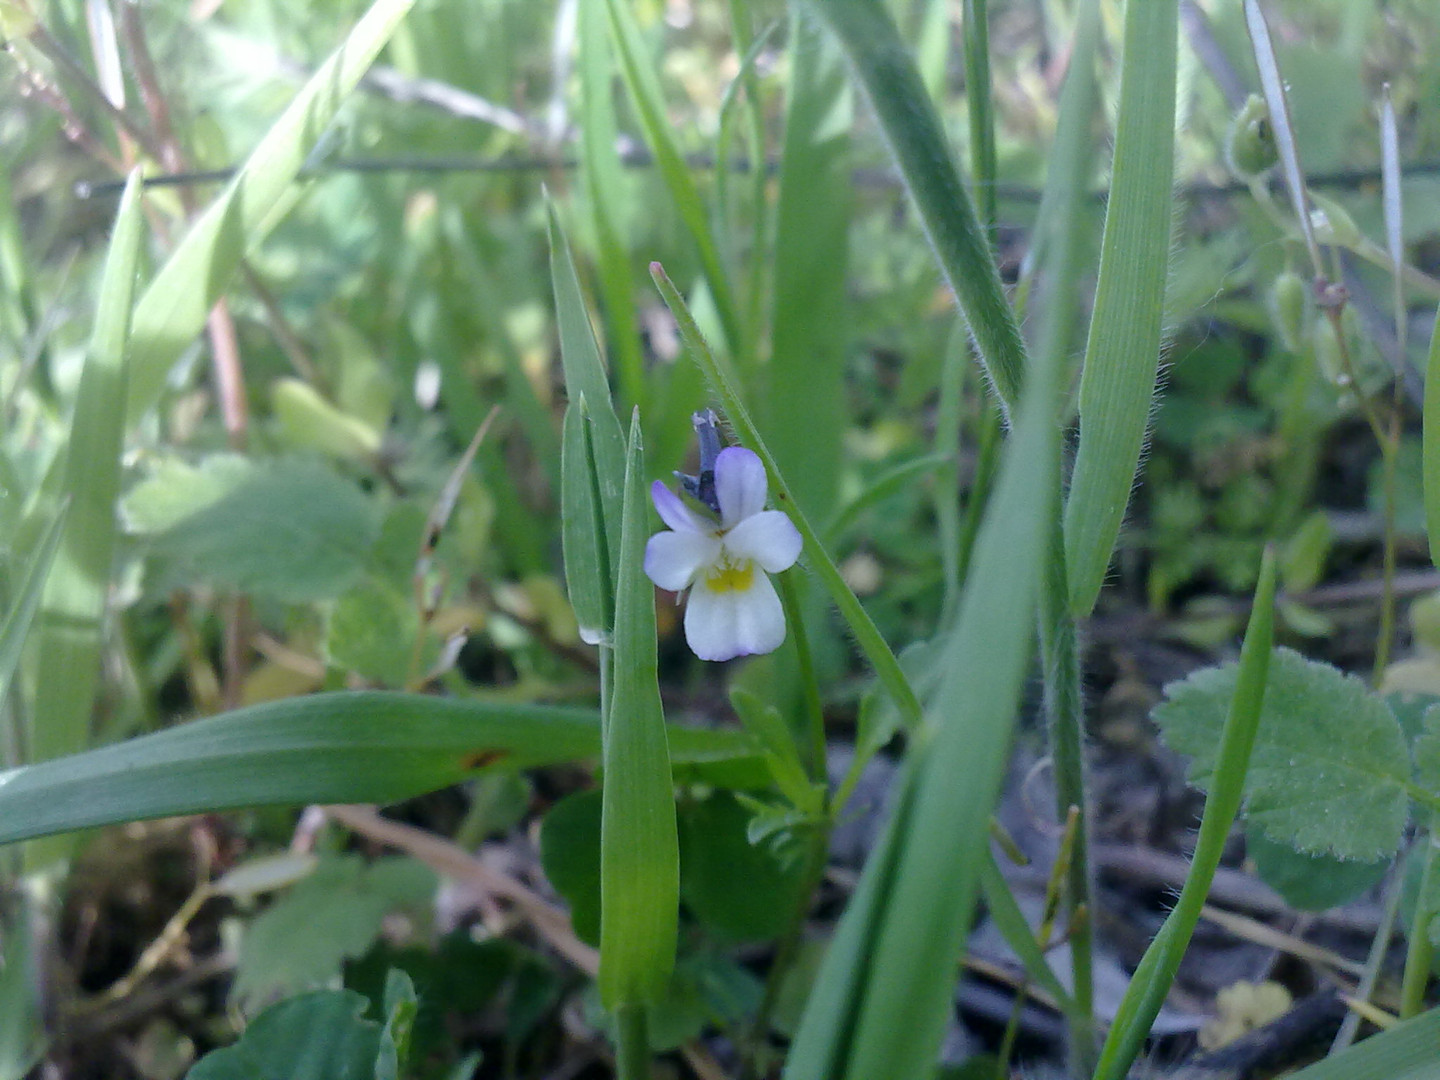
x=632, y=1039
x=1064, y=714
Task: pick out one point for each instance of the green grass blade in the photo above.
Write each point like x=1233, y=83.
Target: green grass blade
x=1123, y=352
x=810, y=331
x=1430, y=440
x=976, y=29
x=822, y=1043
x=582, y=530
x=1152, y=979
x=1010, y=921
x=717, y=374
x=649, y=102
x=885, y=71
x=963, y=749
x=1403, y=1052
x=174, y=307
x=639, y=846
x=73, y=605
x=16, y=626
x=585, y=378
x=325, y=748
x=608, y=193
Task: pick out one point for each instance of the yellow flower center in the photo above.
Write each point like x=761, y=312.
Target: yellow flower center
x=730, y=576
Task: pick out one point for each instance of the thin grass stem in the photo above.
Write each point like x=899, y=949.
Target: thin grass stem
x=1420, y=950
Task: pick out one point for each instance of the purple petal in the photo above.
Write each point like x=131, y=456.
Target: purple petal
x=739, y=485
x=768, y=538
x=675, y=513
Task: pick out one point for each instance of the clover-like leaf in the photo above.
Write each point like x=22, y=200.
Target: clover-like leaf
x=1330, y=769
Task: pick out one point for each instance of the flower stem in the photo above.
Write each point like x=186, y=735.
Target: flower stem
x=1064, y=713
x=632, y=1042
x=1419, y=950
x=812, y=747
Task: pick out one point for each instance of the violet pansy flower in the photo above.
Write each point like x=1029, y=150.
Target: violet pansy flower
x=733, y=610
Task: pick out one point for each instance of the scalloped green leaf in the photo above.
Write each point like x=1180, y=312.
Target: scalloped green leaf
x=1330, y=769
x=1311, y=882
x=316, y=1036
x=294, y=531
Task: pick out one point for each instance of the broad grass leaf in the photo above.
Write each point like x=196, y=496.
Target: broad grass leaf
x=376, y=746
x=1330, y=765
x=639, y=849
x=293, y=531
x=301, y=941
x=315, y=1036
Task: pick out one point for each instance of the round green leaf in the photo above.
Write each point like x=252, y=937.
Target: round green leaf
x=738, y=890
x=570, y=856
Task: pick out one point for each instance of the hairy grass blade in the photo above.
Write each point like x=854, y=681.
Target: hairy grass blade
x=885, y=71
x=1123, y=352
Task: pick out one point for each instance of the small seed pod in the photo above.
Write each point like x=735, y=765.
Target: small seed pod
x=1288, y=300
x=1250, y=146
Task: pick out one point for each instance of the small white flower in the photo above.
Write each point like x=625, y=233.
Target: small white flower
x=733, y=610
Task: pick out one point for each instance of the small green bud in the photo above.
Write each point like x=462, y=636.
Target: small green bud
x=1287, y=309
x=1250, y=146
x=1333, y=224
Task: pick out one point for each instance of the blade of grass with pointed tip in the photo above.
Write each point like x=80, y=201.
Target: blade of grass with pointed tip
x=369, y=746
x=717, y=374
x=912, y=128
x=1273, y=87
x=649, y=102
x=27, y=600
x=1156, y=972
x=810, y=331
x=68, y=634
x=174, y=308
x=1122, y=355
x=639, y=846
x=585, y=378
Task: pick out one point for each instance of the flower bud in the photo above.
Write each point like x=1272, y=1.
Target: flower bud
x=1287, y=309
x=1250, y=145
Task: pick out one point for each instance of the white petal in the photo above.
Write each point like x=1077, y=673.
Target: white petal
x=673, y=558
x=739, y=485
x=724, y=625
x=675, y=513
x=769, y=538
